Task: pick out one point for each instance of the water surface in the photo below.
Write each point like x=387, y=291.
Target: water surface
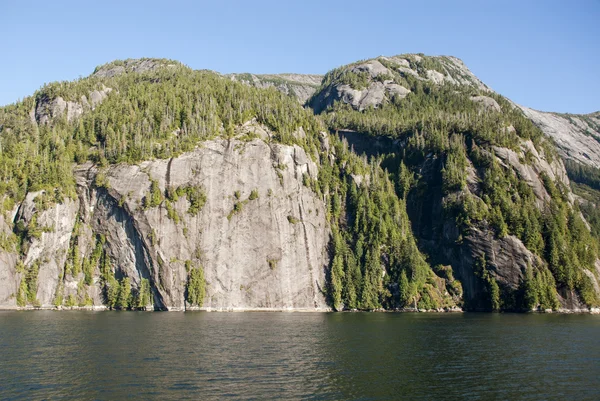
x=321, y=356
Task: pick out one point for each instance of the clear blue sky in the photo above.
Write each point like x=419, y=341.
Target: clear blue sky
x=541, y=53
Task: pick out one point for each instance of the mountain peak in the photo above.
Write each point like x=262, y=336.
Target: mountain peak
x=369, y=83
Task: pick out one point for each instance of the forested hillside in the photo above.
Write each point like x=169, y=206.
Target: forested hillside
x=486, y=191
x=414, y=186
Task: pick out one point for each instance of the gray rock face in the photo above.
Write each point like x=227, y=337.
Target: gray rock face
x=508, y=260
x=234, y=249
x=96, y=97
x=131, y=65
x=360, y=100
x=576, y=136
x=50, y=250
x=373, y=67
x=380, y=89
x=532, y=171
x=299, y=86
x=8, y=259
x=268, y=253
x=46, y=110
x=459, y=74
x=487, y=103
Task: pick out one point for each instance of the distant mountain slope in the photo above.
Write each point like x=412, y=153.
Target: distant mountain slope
x=577, y=136
x=299, y=86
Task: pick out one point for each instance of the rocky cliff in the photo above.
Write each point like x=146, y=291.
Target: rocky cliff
x=260, y=235
x=577, y=136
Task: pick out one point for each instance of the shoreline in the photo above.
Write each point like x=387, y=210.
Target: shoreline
x=102, y=308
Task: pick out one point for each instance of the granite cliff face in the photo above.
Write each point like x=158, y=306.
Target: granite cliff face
x=577, y=137
x=268, y=254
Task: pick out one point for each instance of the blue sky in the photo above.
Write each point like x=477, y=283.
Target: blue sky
x=542, y=54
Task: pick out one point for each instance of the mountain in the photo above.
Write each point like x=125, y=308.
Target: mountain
x=406, y=183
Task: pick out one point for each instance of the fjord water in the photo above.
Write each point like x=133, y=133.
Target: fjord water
x=363, y=356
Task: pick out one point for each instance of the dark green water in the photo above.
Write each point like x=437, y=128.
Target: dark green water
x=361, y=356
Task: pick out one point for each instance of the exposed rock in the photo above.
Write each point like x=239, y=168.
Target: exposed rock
x=375, y=93
x=9, y=280
x=401, y=62
x=96, y=97
x=435, y=76
x=271, y=254
x=234, y=251
x=506, y=258
x=576, y=136
x=252, y=127
x=132, y=66
x=373, y=67
x=360, y=100
x=487, y=102
x=299, y=86
x=397, y=90
x=46, y=110
x=460, y=74
x=49, y=251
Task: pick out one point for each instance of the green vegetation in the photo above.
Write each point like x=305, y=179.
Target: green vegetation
x=448, y=162
x=171, y=212
x=135, y=122
x=154, y=197
x=196, y=286
x=583, y=174
x=237, y=208
x=372, y=249
x=539, y=290
x=144, y=297
x=440, y=127
x=195, y=195
x=27, y=291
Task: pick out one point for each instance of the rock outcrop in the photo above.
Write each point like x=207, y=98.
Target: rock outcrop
x=385, y=77
x=261, y=236
x=132, y=66
x=47, y=110
x=577, y=136
x=299, y=86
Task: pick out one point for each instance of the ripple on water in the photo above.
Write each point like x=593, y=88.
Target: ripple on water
x=320, y=356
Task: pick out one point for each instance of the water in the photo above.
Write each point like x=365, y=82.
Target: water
x=321, y=356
